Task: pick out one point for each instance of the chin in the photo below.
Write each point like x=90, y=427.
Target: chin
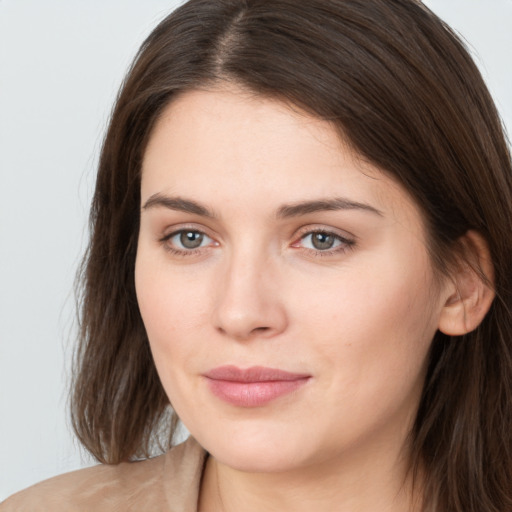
x=256, y=459
x=256, y=448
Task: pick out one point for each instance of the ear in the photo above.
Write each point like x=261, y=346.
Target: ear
x=470, y=290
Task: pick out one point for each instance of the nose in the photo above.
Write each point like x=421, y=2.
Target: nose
x=248, y=302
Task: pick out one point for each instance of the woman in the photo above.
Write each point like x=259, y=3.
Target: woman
x=300, y=240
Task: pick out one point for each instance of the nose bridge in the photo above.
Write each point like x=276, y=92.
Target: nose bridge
x=248, y=302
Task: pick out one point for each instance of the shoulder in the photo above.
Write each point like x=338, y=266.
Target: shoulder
x=152, y=484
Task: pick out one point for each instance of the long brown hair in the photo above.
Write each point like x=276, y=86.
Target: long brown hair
x=405, y=94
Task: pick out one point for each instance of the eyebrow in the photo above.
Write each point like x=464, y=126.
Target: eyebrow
x=179, y=204
x=335, y=204
x=286, y=211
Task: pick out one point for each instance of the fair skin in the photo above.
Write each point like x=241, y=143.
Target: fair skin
x=229, y=272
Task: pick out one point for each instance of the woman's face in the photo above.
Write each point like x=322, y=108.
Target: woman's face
x=285, y=285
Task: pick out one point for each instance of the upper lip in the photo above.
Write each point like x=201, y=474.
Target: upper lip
x=252, y=374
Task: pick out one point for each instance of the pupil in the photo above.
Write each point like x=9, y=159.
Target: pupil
x=191, y=239
x=322, y=241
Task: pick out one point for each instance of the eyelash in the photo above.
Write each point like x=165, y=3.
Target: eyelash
x=345, y=244
x=182, y=252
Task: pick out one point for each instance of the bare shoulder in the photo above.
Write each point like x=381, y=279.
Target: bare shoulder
x=151, y=484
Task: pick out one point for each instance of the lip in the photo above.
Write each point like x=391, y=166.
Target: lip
x=252, y=387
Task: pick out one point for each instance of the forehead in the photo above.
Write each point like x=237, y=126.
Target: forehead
x=260, y=151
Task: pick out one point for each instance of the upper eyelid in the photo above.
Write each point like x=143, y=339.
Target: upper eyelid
x=306, y=230
x=172, y=234
x=343, y=239
x=170, y=231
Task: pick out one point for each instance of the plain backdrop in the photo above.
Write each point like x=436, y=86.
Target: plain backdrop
x=61, y=63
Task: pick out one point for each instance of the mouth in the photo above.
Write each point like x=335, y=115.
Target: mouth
x=252, y=387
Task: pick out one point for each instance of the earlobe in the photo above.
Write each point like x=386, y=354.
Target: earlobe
x=471, y=289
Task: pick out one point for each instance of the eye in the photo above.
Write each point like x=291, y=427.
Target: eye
x=186, y=240
x=189, y=239
x=323, y=241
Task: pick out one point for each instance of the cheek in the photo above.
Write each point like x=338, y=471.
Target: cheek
x=171, y=314
x=373, y=328
x=169, y=300
x=369, y=298
x=172, y=311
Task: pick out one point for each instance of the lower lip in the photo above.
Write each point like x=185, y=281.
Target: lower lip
x=253, y=394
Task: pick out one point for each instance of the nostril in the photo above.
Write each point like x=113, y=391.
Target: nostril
x=244, y=334
x=260, y=329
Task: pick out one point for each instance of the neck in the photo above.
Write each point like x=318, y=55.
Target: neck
x=358, y=483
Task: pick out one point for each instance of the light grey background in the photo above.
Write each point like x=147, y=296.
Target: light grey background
x=61, y=62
